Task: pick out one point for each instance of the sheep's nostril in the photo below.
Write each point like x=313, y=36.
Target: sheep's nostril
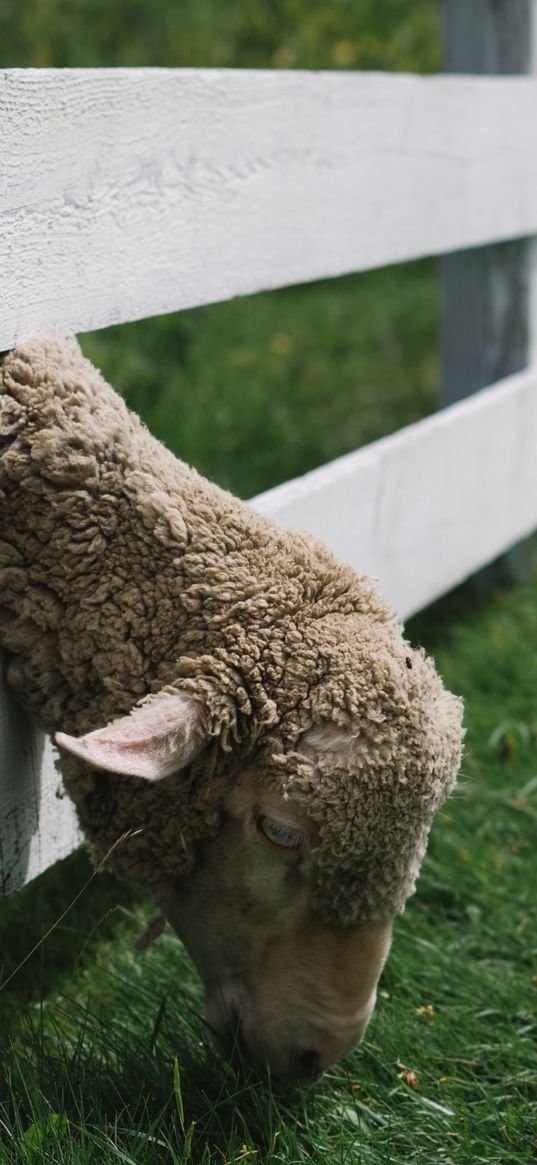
x=309, y=1066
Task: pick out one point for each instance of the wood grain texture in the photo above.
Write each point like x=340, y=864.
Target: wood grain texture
x=126, y=193
x=37, y=827
x=423, y=509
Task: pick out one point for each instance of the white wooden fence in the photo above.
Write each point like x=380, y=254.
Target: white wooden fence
x=130, y=192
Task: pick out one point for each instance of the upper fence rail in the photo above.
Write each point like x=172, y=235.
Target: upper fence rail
x=131, y=192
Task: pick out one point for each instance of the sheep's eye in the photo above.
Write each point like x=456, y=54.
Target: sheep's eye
x=282, y=835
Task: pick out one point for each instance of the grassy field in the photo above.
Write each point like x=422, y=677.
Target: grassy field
x=261, y=389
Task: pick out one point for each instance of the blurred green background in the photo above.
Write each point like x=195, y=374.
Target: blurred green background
x=261, y=389
x=257, y=34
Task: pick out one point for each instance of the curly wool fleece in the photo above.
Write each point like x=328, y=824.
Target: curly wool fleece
x=125, y=573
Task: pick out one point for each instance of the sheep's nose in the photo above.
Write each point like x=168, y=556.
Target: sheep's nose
x=227, y=1013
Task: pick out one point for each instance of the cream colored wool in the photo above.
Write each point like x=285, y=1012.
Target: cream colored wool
x=123, y=572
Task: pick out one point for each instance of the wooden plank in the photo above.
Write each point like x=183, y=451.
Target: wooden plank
x=485, y=292
x=423, y=509
x=125, y=193
x=488, y=36
x=486, y=315
x=36, y=827
x=485, y=320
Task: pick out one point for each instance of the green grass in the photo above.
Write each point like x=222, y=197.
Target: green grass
x=261, y=389
x=300, y=34
x=448, y=1070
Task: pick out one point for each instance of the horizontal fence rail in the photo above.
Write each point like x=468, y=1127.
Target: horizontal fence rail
x=423, y=509
x=131, y=192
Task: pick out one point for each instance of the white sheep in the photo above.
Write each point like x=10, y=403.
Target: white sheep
x=228, y=694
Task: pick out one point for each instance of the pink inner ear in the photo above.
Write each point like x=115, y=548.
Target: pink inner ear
x=157, y=738
x=326, y=737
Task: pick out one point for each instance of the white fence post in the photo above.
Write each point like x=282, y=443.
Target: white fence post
x=37, y=828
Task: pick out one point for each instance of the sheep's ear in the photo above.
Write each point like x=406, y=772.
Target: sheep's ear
x=157, y=738
x=325, y=737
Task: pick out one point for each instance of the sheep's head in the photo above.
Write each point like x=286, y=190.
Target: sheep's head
x=295, y=989
x=287, y=912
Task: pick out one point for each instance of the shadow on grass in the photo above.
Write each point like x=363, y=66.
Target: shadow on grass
x=139, y=1078
x=27, y=915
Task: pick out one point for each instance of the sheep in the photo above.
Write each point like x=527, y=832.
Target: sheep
x=238, y=707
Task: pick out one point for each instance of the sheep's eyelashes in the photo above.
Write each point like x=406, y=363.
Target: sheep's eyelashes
x=279, y=834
